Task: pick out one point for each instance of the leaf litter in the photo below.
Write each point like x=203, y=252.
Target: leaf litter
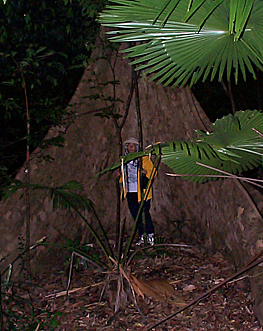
x=163, y=281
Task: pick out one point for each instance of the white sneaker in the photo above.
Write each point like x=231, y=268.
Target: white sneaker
x=150, y=239
x=140, y=241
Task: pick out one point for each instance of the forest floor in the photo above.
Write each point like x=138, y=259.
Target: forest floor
x=166, y=279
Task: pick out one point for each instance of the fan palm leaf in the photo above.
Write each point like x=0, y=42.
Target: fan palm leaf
x=235, y=145
x=180, y=46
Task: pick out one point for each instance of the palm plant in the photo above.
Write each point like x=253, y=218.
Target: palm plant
x=181, y=41
x=178, y=42
x=70, y=196
x=234, y=145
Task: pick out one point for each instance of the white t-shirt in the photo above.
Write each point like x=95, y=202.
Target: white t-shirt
x=132, y=173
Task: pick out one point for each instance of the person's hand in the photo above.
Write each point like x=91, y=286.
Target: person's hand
x=144, y=172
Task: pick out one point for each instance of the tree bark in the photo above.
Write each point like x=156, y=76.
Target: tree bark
x=221, y=215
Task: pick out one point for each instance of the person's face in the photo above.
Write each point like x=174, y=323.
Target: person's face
x=131, y=148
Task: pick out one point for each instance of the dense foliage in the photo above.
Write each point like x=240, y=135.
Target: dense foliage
x=187, y=41
x=179, y=42
x=44, y=47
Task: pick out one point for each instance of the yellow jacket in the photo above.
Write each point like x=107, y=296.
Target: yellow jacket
x=151, y=172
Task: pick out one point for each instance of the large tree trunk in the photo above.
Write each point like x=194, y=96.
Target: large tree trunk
x=220, y=214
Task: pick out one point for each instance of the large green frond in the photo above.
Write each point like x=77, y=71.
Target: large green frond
x=66, y=196
x=70, y=195
x=217, y=38
x=183, y=158
x=235, y=145
x=239, y=135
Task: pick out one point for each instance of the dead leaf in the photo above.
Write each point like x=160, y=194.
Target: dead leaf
x=189, y=288
x=158, y=289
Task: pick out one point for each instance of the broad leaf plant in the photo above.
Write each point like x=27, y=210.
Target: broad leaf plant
x=178, y=42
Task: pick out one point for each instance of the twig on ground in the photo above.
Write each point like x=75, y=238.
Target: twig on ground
x=207, y=293
x=62, y=293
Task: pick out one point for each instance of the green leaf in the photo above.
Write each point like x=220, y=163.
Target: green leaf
x=66, y=196
x=235, y=145
x=183, y=43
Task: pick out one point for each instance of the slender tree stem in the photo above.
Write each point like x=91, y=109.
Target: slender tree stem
x=229, y=93
x=138, y=109
x=27, y=172
x=119, y=128
x=1, y=306
x=27, y=191
x=231, y=96
x=139, y=126
x=259, y=91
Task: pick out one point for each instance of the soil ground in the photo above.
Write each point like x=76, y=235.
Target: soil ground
x=164, y=279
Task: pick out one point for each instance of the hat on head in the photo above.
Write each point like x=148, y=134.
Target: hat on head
x=131, y=140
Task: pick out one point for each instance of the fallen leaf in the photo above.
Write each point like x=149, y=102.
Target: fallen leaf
x=189, y=288
x=158, y=289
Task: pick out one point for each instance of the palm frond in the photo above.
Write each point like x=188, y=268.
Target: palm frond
x=66, y=196
x=235, y=145
x=181, y=46
x=70, y=195
x=238, y=134
x=183, y=158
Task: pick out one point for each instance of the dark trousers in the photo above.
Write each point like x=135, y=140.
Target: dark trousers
x=134, y=205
